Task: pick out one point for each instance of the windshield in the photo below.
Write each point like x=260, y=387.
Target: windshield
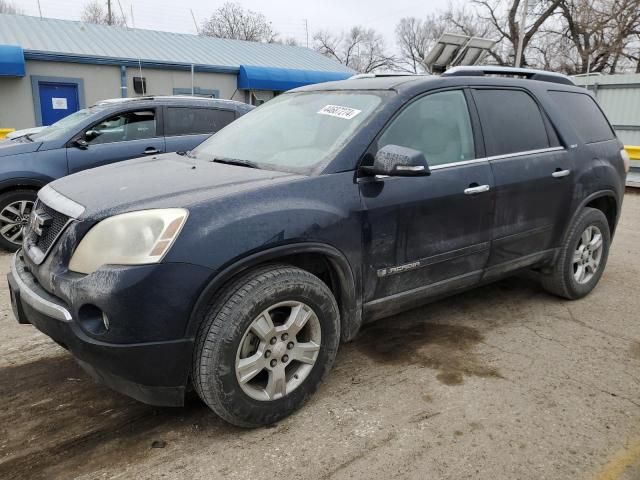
x=62, y=127
x=293, y=132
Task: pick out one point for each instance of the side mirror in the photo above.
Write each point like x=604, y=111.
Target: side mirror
x=91, y=134
x=397, y=161
x=81, y=143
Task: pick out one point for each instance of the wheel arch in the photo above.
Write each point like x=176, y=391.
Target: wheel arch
x=324, y=261
x=21, y=184
x=604, y=200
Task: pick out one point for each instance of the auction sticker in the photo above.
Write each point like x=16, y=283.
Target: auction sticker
x=340, y=112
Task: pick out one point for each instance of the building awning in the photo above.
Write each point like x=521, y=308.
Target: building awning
x=11, y=61
x=281, y=79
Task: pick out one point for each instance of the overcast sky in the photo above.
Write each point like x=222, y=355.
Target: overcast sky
x=288, y=16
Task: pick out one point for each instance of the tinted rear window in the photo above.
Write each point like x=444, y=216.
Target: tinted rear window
x=192, y=121
x=511, y=122
x=585, y=116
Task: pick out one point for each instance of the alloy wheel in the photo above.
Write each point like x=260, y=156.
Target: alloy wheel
x=278, y=350
x=587, y=255
x=13, y=219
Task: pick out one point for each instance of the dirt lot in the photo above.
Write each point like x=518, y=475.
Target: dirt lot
x=504, y=382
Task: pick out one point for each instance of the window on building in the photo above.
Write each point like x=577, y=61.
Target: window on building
x=438, y=125
x=193, y=121
x=511, y=122
x=136, y=125
x=586, y=116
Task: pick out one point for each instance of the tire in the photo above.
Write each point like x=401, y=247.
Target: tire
x=228, y=335
x=562, y=280
x=15, y=207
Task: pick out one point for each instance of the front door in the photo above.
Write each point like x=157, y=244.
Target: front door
x=427, y=235
x=122, y=136
x=533, y=175
x=57, y=100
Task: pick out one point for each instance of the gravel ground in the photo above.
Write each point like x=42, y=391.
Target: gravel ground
x=503, y=382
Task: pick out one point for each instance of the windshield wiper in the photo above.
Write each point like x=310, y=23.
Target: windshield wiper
x=28, y=137
x=235, y=161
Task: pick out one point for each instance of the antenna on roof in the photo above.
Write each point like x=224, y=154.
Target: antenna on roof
x=194, y=21
x=40, y=9
x=124, y=18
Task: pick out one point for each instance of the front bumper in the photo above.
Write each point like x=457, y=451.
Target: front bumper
x=154, y=372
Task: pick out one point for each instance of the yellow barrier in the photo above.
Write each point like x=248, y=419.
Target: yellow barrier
x=4, y=131
x=633, y=151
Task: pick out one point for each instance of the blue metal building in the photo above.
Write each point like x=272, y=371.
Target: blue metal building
x=50, y=68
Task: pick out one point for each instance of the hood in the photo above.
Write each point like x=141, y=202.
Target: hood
x=16, y=147
x=165, y=181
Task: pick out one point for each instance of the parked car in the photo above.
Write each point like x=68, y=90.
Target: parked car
x=110, y=131
x=25, y=131
x=239, y=269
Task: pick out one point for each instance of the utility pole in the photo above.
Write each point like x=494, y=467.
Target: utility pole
x=521, y=32
x=306, y=29
x=109, y=17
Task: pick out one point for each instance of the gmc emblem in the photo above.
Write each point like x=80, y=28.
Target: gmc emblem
x=39, y=221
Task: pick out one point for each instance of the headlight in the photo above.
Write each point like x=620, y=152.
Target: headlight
x=128, y=239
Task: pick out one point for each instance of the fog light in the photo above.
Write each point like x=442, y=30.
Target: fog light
x=93, y=320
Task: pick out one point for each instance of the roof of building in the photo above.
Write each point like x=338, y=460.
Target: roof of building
x=66, y=40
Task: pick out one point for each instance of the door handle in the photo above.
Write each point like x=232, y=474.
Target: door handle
x=560, y=173
x=151, y=151
x=476, y=189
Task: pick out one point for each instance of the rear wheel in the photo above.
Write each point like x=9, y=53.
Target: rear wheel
x=15, y=208
x=582, y=258
x=265, y=345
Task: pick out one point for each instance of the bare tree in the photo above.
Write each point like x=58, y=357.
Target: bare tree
x=415, y=38
x=599, y=33
x=9, y=7
x=504, y=19
x=362, y=49
x=96, y=12
x=231, y=20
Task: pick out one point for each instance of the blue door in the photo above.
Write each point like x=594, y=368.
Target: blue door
x=57, y=100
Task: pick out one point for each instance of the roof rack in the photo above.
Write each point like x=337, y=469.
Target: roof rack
x=383, y=75
x=528, y=73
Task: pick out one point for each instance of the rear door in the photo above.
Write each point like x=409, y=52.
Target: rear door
x=428, y=235
x=533, y=176
x=187, y=127
x=122, y=136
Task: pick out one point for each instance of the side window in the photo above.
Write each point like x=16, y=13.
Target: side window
x=123, y=127
x=585, y=116
x=194, y=121
x=511, y=122
x=438, y=125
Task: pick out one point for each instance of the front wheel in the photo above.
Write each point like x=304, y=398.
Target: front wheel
x=15, y=208
x=265, y=345
x=582, y=257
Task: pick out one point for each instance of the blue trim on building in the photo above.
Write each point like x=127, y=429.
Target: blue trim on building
x=11, y=61
x=35, y=90
x=127, y=62
x=281, y=79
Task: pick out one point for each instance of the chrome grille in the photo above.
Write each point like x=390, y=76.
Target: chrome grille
x=50, y=233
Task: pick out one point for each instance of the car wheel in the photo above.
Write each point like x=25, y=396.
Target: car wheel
x=582, y=258
x=15, y=208
x=265, y=345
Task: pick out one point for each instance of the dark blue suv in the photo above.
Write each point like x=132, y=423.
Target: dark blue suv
x=239, y=268
x=110, y=131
